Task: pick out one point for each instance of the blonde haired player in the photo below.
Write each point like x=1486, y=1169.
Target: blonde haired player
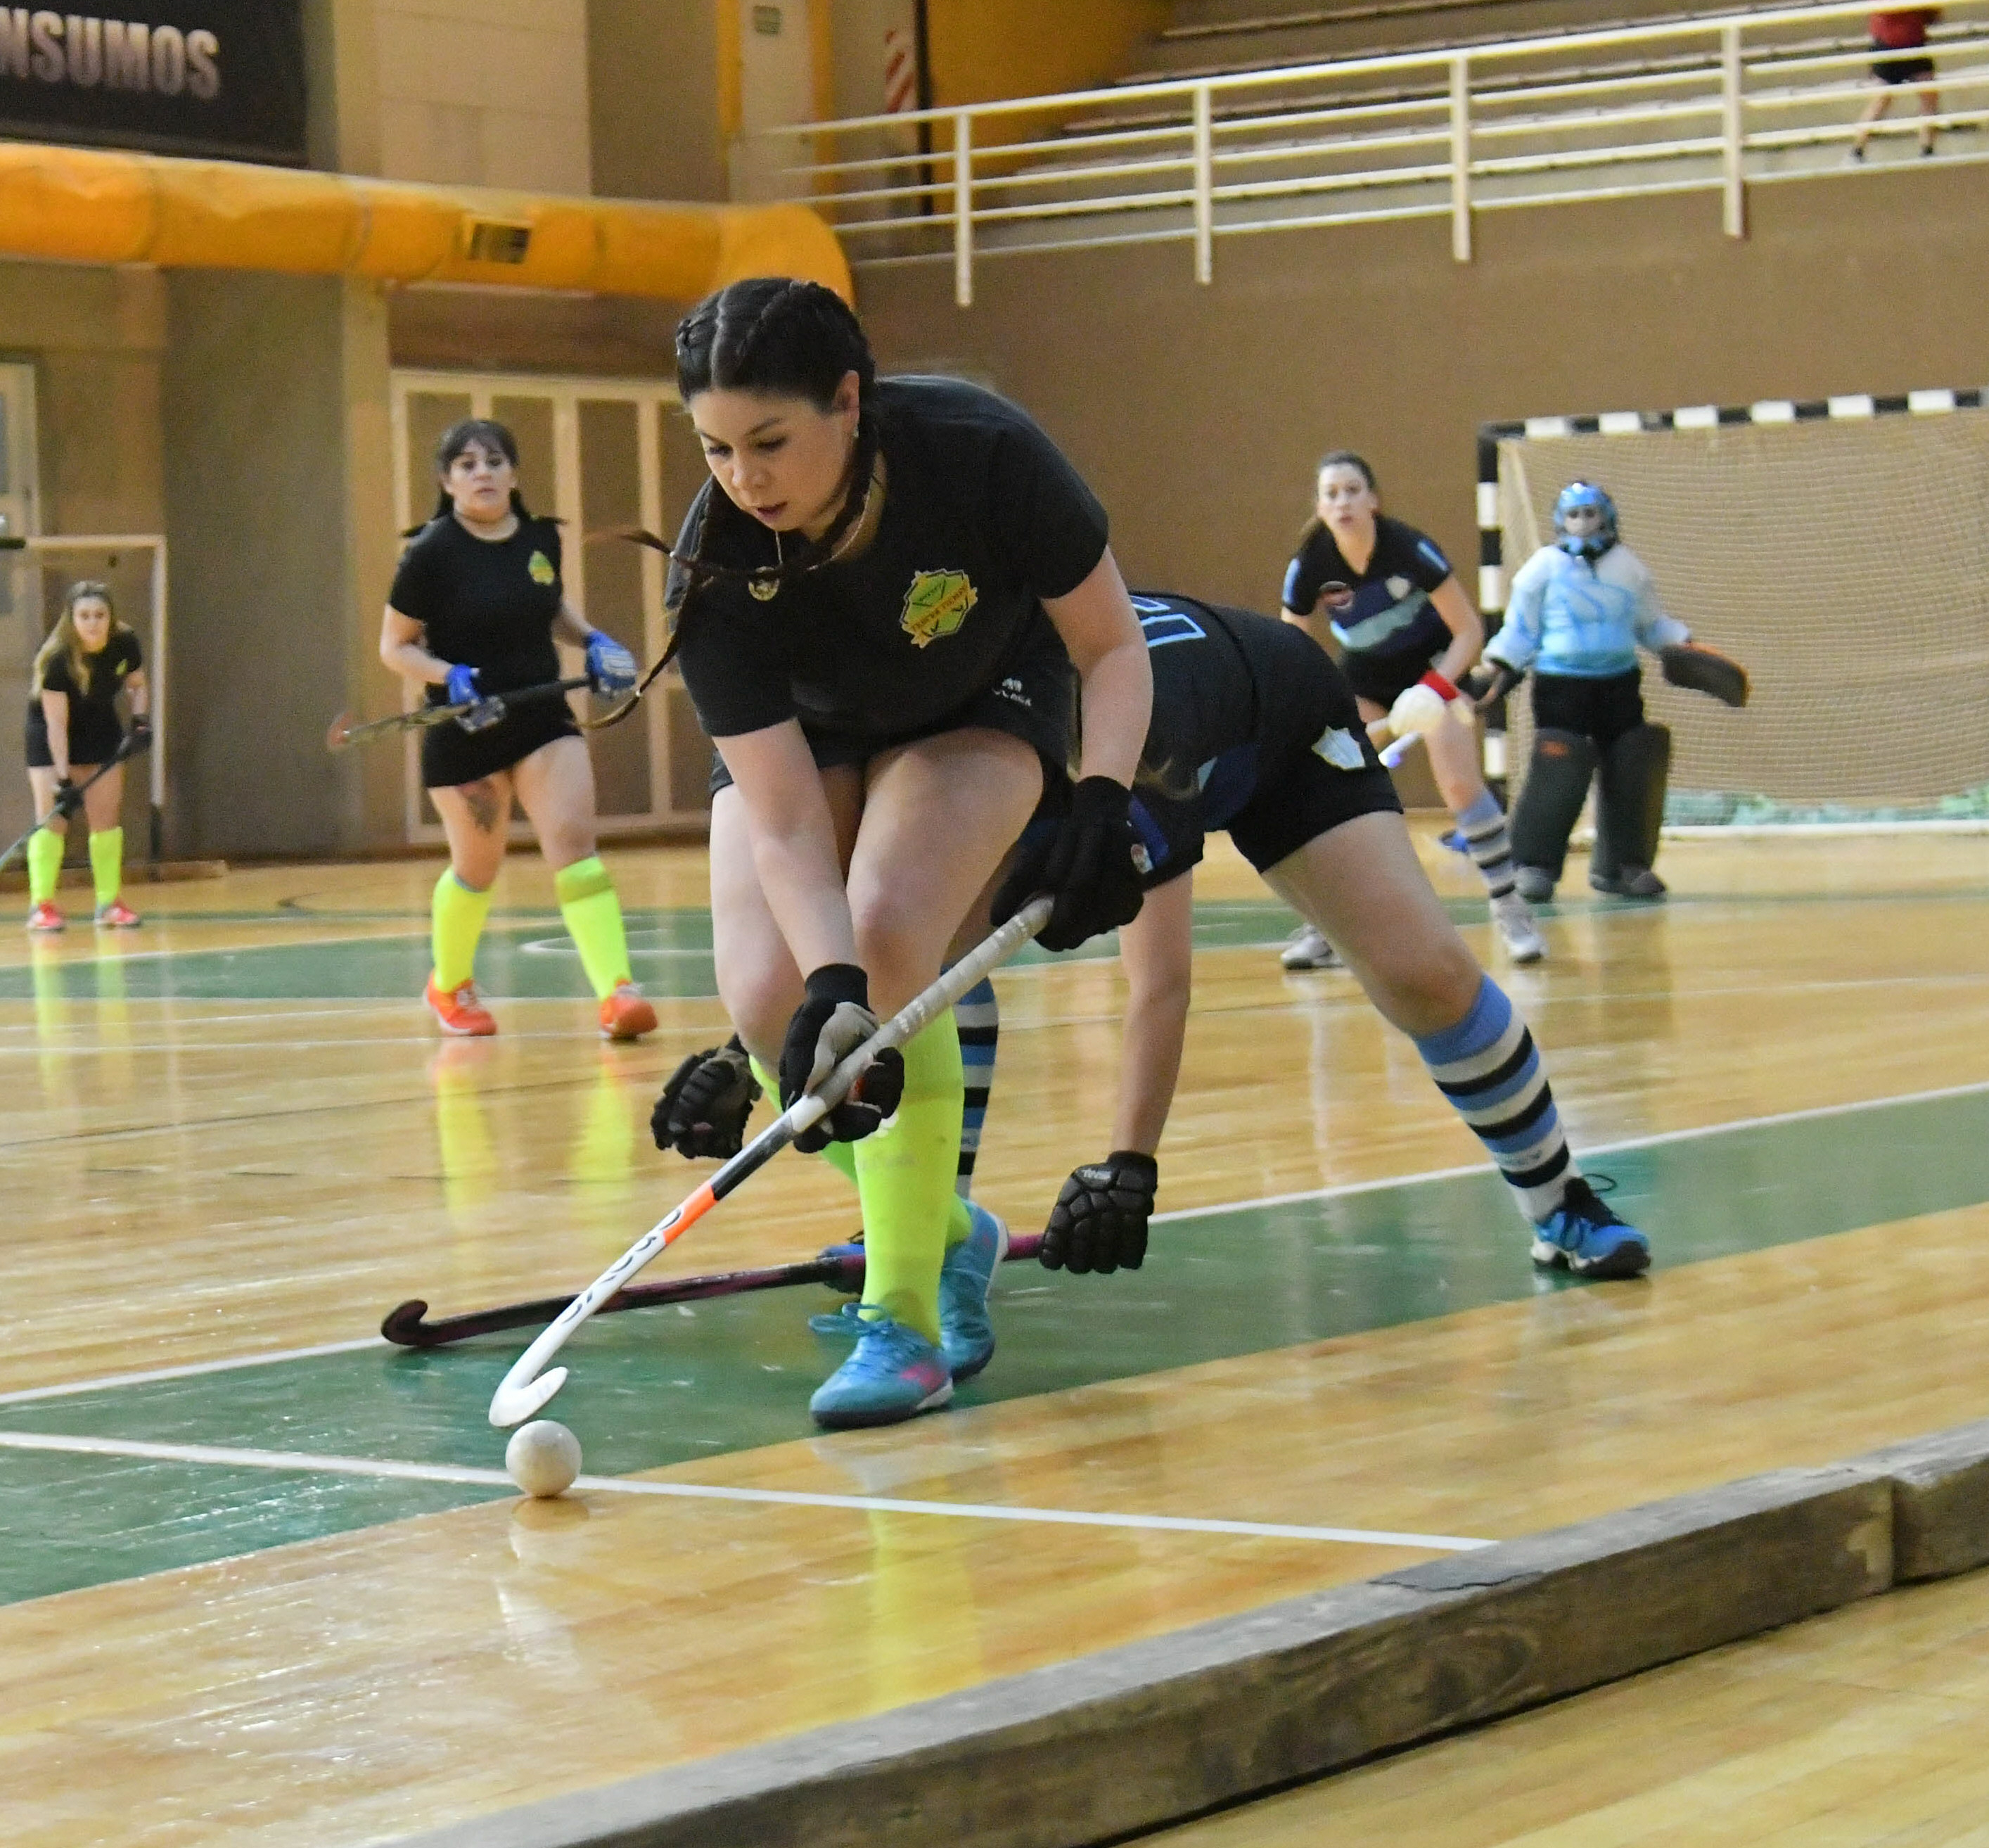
x=73, y=730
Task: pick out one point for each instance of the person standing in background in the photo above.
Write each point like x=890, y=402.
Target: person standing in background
x=1902, y=36
x=73, y=729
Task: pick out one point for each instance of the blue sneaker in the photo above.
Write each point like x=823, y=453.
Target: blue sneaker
x=964, y=1329
x=1583, y=1236
x=895, y=1374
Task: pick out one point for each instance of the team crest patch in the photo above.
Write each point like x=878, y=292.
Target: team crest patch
x=1341, y=749
x=541, y=568
x=936, y=604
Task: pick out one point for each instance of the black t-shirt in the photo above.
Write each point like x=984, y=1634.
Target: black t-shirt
x=1384, y=610
x=93, y=707
x=486, y=604
x=1231, y=691
x=983, y=518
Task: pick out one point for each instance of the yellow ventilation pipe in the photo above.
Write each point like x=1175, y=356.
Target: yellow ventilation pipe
x=82, y=205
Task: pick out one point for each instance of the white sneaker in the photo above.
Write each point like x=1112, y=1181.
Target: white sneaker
x=1518, y=933
x=1309, y=950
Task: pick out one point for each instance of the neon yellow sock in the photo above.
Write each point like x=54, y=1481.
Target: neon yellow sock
x=45, y=858
x=593, y=915
x=457, y=913
x=107, y=863
x=841, y=1157
x=905, y=1175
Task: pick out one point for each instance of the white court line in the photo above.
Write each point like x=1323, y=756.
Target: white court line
x=105, y=1382
x=795, y=1498
x=1342, y=1190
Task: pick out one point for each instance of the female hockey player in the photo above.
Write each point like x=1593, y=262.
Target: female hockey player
x=879, y=599
x=1395, y=607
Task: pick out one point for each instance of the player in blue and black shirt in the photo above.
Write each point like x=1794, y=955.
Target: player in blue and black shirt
x=1408, y=631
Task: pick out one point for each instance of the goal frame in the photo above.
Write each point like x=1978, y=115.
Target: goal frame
x=1494, y=579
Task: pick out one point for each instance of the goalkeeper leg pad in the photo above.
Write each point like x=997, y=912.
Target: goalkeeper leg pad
x=1556, y=786
x=1630, y=810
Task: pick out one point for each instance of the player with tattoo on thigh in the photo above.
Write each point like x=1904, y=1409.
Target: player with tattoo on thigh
x=472, y=614
x=879, y=601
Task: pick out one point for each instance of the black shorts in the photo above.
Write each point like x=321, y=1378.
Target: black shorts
x=89, y=744
x=1384, y=678
x=1034, y=702
x=1300, y=795
x=1602, y=709
x=1902, y=70
x=451, y=756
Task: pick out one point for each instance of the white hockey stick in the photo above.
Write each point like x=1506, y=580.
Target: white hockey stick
x=524, y=1393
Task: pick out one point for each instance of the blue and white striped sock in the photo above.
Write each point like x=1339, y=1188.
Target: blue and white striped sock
x=1483, y=827
x=980, y=1022
x=1487, y=1066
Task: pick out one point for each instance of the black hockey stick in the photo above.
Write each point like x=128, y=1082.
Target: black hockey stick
x=342, y=734
x=125, y=749
x=408, y=1326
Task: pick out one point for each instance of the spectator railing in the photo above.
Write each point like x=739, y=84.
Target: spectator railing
x=1717, y=104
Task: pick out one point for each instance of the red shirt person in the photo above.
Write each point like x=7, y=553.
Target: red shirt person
x=1903, y=34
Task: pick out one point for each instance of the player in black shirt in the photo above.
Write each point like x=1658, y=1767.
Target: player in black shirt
x=1395, y=607
x=89, y=658
x=893, y=582
x=472, y=614
x=1255, y=731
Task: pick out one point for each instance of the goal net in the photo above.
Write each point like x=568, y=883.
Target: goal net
x=1840, y=551
x=35, y=574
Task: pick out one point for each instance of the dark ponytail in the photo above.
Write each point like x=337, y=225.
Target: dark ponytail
x=486, y=433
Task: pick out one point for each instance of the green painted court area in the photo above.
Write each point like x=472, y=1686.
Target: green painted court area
x=668, y=1386
x=669, y=952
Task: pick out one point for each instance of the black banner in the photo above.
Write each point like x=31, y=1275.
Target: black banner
x=215, y=77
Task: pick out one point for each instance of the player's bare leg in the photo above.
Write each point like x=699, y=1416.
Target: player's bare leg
x=1363, y=883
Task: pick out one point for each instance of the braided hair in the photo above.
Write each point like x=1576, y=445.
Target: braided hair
x=778, y=335
x=481, y=433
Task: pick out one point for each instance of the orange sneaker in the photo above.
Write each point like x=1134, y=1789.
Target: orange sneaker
x=459, y=1011
x=117, y=916
x=624, y=1015
x=44, y=916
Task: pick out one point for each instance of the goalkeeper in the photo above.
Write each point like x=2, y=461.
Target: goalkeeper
x=1581, y=607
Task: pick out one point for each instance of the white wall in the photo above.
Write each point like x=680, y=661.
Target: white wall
x=486, y=92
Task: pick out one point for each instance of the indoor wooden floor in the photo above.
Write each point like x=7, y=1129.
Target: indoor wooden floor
x=288, y=1603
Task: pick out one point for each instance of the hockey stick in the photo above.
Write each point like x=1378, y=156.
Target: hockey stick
x=1400, y=749
x=523, y=1392
x=342, y=734
x=407, y=1327
x=123, y=750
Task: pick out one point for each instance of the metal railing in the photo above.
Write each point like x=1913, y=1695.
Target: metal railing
x=1716, y=104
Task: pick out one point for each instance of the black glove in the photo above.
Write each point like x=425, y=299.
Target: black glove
x=830, y=1025
x=1488, y=682
x=138, y=740
x=69, y=798
x=1088, y=865
x=1099, y=1220
x=704, y=1109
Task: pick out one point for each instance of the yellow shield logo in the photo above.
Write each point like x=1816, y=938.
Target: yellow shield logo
x=541, y=568
x=936, y=604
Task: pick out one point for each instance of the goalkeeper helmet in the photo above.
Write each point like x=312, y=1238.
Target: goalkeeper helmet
x=1584, y=494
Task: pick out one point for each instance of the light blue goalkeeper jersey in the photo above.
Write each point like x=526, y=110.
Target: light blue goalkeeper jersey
x=1567, y=615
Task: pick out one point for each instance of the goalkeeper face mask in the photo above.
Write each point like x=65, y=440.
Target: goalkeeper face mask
x=1585, y=520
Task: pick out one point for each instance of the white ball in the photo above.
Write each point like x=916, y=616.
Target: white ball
x=1417, y=708
x=543, y=1458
